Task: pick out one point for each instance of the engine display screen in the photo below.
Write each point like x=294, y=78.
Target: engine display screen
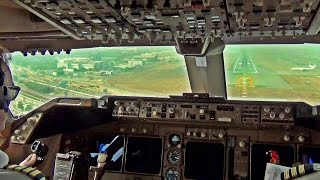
x=261, y=154
x=144, y=155
x=309, y=155
x=204, y=161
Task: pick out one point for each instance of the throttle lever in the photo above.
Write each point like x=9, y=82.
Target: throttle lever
x=99, y=169
x=105, y=156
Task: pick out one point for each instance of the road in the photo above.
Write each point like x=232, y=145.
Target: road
x=49, y=85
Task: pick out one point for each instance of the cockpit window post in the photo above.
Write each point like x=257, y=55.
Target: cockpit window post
x=206, y=71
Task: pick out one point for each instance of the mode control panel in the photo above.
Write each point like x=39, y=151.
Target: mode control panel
x=277, y=114
x=190, y=111
x=22, y=134
x=125, y=108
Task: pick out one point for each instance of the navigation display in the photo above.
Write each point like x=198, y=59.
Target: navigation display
x=144, y=155
x=204, y=161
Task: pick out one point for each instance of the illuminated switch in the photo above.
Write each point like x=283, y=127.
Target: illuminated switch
x=65, y=21
x=110, y=19
x=78, y=20
x=154, y=113
x=96, y=20
x=171, y=115
x=202, y=117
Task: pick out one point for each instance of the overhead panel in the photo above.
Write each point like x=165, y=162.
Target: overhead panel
x=162, y=22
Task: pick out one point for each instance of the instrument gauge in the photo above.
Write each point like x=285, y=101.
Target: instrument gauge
x=174, y=139
x=174, y=157
x=172, y=174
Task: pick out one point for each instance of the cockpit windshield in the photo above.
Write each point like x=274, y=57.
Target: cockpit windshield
x=253, y=72
x=94, y=72
x=273, y=72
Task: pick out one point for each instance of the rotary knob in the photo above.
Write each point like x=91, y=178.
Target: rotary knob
x=221, y=135
x=117, y=103
x=242, y=144
x=301, y=139
x=120, y=110
x=272, y=115
x=287, y=110
x=31, y=120
x=203, y=135
x=144, y=130
x=133, y=130
x=201, y=111
x=266, y=109
x=188, y=133
x=286, y=138
x=13, y=137
x=20, y=138
x=171, y=110
x=281, y=115
x=195, y=134
x=17, y=131
x=129, y=109
x=24, y=127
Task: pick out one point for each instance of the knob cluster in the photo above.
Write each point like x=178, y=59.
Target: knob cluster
x=126, y=108
x=23, y=132
x=203, y=133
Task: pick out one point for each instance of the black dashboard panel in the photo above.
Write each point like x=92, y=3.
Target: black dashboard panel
x=204, y=161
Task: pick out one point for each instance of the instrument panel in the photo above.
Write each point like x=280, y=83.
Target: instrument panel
x=179, y=138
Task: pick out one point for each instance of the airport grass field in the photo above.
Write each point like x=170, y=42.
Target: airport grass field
x=253, y=72
x=278, y=72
